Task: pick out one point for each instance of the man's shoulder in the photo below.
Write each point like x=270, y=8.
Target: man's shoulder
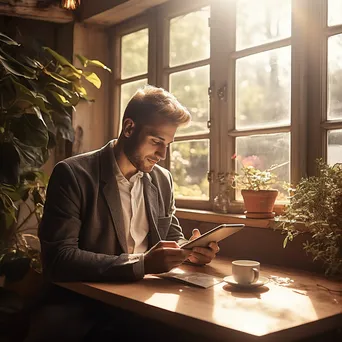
x=161, y=171
x=87, y=162
x=161, y=177
x=82, y=158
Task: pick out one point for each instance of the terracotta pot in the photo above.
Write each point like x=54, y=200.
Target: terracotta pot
x=259, y=204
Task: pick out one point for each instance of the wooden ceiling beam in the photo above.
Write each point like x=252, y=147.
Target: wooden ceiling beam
x=28, y=9
x=108, y=13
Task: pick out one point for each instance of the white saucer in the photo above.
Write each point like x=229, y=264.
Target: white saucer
x=261, y=281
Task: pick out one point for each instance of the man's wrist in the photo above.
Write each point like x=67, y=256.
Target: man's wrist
x=139, y=267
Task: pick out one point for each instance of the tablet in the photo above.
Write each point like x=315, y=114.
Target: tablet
x=216, y=234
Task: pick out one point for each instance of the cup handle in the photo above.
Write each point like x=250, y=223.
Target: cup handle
x=256, y=274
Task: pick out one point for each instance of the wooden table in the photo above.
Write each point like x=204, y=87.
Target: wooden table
x=272, y=312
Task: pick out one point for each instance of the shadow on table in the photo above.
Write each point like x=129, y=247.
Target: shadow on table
x=246, y=293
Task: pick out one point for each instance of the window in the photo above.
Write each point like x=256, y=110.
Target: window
x=131, y=71
x=261, y=79
x=188, y=74
x=334, y=82
x=261, y=131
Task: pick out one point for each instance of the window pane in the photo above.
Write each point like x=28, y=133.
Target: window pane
x=189, y=167
x=134, y=53
x=335, y=146
x=263, y=89
x=191, y=89
x=127, y=91
x=263, y=151
x=334, y=12
x=335, y=77
x=262, y=21
x=190, y=37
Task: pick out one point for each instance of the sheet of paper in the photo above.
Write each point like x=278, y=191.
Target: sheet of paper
x=195, y=278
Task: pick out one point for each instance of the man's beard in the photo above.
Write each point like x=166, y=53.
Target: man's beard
x=130, y=149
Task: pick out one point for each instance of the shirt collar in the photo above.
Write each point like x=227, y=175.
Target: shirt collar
x=121, y=178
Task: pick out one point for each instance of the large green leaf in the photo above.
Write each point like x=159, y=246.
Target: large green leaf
x=61, y=99
x=14, y=61
x=51, y=130
x=62, y=60
x=70, y=74
x=11, y=191
x=63, y=125
x=85, y=62
x=11, y=69
x=82, y=91
x=92, y=78
x=56, y=76
x=30, y=156
x=71, y=96
x=34, y=98
x=30, y=130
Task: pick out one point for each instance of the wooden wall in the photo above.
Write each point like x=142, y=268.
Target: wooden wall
x=93, y=118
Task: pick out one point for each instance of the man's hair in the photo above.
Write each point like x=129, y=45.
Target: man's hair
x=150, y=103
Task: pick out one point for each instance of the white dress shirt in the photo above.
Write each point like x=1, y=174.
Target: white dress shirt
x=134, y=212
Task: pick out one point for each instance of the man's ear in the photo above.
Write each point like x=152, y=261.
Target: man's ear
x=128, y=127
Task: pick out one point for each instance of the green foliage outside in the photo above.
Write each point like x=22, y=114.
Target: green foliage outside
x=263, y=89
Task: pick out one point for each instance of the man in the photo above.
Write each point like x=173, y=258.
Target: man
x=109, y=214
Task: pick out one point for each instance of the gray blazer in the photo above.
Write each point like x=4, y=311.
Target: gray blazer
x=81, y=234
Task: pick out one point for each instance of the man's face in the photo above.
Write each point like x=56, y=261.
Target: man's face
x=147, y=145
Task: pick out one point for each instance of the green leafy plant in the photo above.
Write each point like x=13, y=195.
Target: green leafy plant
x=39, y=89
x=254, y=179
x=251, y=178
x=316, y=202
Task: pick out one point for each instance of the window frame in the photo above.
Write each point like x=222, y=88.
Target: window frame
x=308, y=41
x=116, y=33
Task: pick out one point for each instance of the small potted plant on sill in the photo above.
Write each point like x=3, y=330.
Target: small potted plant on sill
x=316, y=202
x=256, y=190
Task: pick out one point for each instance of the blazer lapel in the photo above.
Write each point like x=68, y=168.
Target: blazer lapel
x=111, y=193
x=152, y=208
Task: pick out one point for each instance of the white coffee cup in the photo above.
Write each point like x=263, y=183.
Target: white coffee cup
x=245, y=272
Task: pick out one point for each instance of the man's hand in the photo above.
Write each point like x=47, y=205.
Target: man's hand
x=202, y=255
x=164, y=256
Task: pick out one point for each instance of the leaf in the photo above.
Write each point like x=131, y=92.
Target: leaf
x=92, y=78
x=7, y=40
x=70, y=74
x=11, y=70
x=72, y=97
x=82, y=92
x=30, y=156
x=56, y=76
x=16, y=62
x=285, y=241
x=62, y=60
x=60, y=98
x=30, y=130
x=85, y=62
x=63, y=125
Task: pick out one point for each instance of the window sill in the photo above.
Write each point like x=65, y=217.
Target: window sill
x=212, y=217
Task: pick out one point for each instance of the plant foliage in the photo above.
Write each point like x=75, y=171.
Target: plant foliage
x=251, y=178
x=317, y=202
x=39, y=88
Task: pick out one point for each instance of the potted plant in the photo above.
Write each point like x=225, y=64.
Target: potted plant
x=256, y=189
x=316, y=203
x=38, y=91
